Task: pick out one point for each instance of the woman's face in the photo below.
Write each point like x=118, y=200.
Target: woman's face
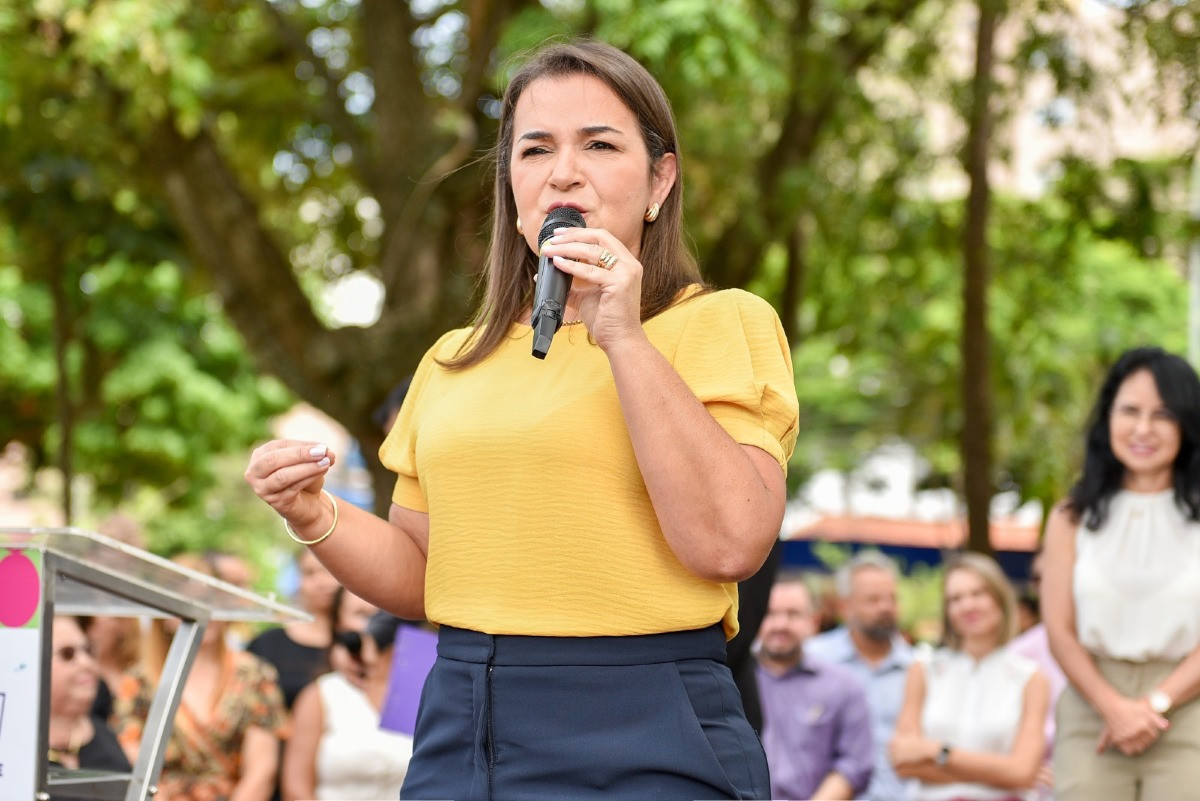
x=317, y=585
x=576, y=144
x=1144, y=434
x=107, y=633
x=74, y=674
x=970, y=609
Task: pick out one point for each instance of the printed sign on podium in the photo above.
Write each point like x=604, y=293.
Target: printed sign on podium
x=20, y=653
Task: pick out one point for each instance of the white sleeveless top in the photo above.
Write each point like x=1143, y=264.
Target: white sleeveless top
x=1137, y=580
x=975, y=706
x=356, y=758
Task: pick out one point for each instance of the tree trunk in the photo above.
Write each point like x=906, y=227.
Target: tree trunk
x=794, y=281
x=416, y=159
x=976, y=348
x=736, y=254
x=66, y=417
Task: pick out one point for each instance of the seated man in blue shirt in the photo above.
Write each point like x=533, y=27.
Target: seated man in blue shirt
x=816, y=726
x=868, y=644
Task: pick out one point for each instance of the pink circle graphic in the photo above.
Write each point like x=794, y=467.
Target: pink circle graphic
x=21, y=590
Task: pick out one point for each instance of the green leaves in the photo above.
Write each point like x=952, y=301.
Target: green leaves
x=328, y=141
x=159, y=380
x=880, y=356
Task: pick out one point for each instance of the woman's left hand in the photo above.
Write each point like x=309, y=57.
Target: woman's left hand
x=1130, y=746
x=607, y=285
x=1131, y=726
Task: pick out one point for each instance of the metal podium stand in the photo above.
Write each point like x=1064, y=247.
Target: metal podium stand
x=83, y=573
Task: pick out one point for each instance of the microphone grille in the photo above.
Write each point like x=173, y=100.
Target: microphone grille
x=561, y=217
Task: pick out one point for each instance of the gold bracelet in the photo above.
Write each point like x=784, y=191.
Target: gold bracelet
x=288, y=528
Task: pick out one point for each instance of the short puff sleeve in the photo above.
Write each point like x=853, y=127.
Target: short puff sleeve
x=398, y=452
x=734, y=356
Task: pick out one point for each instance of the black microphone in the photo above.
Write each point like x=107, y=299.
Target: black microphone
x=550, y=294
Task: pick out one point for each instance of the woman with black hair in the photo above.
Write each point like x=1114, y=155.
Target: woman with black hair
x=1121, y=590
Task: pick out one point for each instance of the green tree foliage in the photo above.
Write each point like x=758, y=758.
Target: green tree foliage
x=1064, y=303
x=159, y=380
x=158, y=154
x=119, y=364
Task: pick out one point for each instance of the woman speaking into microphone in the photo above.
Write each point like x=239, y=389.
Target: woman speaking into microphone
x=577, y=525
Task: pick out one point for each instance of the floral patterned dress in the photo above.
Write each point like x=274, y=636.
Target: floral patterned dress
x=203, y=762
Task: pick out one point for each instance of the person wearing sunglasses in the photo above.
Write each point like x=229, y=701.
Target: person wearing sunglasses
x=78, y=738
x=348, y=621
x=337, y=749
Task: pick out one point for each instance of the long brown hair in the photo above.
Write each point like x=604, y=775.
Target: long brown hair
x=511, y=265
x=157, y=641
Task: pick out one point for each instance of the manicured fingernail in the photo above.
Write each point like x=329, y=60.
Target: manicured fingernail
x=324, y=462
x=562, y=230
x=318, y=450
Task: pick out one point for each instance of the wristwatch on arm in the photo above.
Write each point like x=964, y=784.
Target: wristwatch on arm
x=943, y=755
x=1159, y=701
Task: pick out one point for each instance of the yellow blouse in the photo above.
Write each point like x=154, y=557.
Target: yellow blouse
x=540, y=523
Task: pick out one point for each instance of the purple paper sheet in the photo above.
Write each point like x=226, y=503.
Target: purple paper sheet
x=412, y=659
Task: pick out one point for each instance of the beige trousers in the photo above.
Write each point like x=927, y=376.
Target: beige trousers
x=1169, y=770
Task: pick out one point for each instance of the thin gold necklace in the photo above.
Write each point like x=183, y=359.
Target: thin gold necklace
x=74, y=743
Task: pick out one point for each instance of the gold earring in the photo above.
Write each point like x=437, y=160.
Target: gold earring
x=652, y=213
x=520, y=230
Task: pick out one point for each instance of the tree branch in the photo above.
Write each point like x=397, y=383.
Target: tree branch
x=410, y=277
x=345, y=127
x=402, y=109
x=739, y=248
x=223, y=230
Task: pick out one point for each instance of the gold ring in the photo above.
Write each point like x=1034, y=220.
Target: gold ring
x=608, y=259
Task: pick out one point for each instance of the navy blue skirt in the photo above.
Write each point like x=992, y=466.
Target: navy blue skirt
x=507, y=718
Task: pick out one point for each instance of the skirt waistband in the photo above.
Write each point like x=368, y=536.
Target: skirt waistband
x=1141, y=664
x=465, y=645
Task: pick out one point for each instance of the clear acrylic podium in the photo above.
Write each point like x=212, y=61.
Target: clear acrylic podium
x=69, y=571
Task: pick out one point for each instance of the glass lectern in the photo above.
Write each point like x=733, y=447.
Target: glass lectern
x=49, y=571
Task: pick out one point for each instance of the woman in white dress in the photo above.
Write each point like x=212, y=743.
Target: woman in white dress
x=337, y=749
x=1121, y=591
x=970, y=727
